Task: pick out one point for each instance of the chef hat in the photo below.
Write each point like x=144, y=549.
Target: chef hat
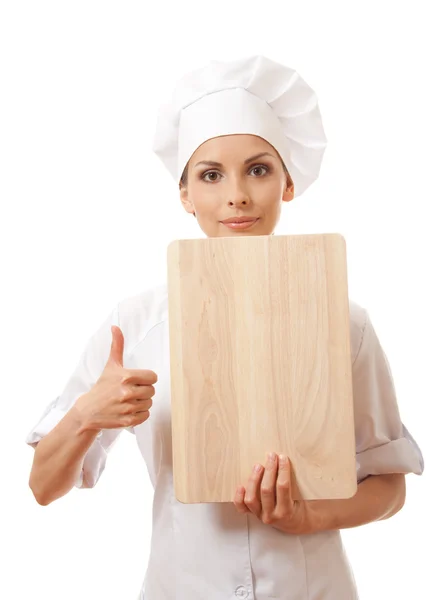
x=250, y=96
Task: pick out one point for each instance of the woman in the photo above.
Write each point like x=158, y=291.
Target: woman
x=240, y=138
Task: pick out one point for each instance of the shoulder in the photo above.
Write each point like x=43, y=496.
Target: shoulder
x=358, y=317
x=138, y=314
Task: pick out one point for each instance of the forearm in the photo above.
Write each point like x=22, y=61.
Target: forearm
x=58, y=458
x=378, y=497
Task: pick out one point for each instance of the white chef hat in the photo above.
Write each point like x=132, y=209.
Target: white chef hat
x=248, y=96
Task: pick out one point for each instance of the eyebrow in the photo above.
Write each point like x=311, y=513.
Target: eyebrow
x=212, y=163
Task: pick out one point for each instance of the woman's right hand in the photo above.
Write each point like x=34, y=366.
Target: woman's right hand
x=121, y=397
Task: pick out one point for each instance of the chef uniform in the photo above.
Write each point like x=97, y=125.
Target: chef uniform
x=210, y=551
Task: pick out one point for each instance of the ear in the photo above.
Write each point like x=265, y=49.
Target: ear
x=186, y=202
x=288, y=195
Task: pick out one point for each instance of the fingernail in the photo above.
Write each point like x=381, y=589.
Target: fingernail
x=257, y=468
x=272, y=457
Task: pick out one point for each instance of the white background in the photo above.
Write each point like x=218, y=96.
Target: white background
x=87, y=212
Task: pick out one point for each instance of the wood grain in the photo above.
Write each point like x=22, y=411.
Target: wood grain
x=260, y=361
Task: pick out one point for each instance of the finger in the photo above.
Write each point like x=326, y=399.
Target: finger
x=239, y=500
x=142, y=392
x=136, y=406
x=139, y=377
x=117, y=346
x=284, y=496
x=134, y=419
x=268, y=485
x=252, y=495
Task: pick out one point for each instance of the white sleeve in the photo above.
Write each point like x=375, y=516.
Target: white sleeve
x=90, y=366
x=383, y=444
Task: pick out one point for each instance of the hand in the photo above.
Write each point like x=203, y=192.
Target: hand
x=121, y=397
x=269, y=496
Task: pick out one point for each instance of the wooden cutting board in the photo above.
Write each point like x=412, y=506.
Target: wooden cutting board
x=260, y=361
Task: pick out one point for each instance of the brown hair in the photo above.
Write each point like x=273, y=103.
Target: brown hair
x=184, y=179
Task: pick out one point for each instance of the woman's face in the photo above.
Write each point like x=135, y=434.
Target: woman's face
x=236, y=176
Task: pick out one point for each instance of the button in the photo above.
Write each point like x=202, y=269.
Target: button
x=241, y=592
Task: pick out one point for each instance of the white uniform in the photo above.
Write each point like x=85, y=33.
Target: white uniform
x=209, y=551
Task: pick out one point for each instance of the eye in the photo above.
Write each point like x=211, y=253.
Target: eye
x=259, y=170
x=210, y=176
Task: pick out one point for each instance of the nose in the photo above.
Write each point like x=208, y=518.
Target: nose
x=238, y=196
x=238, y=202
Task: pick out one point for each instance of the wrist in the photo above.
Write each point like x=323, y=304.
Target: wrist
x=83, y=418
x=320, y=515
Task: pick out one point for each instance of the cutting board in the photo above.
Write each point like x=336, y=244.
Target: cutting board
x=260, y=361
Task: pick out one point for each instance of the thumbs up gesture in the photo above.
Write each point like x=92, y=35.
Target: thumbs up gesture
x=121, y=397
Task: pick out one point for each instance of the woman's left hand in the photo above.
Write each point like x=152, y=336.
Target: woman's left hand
x=268, y=495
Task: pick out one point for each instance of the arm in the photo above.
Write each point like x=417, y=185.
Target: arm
x=60, y=450
x=59, y=457
x=378, y=497
x=270, y=496
x=385, y=452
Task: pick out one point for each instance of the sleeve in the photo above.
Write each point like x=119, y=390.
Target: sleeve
x=89, y=368
x=383, y=443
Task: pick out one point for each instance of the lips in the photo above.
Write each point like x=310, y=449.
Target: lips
x=240, y=223
x=239, y=220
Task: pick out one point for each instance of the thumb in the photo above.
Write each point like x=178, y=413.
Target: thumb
x=117, y=346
